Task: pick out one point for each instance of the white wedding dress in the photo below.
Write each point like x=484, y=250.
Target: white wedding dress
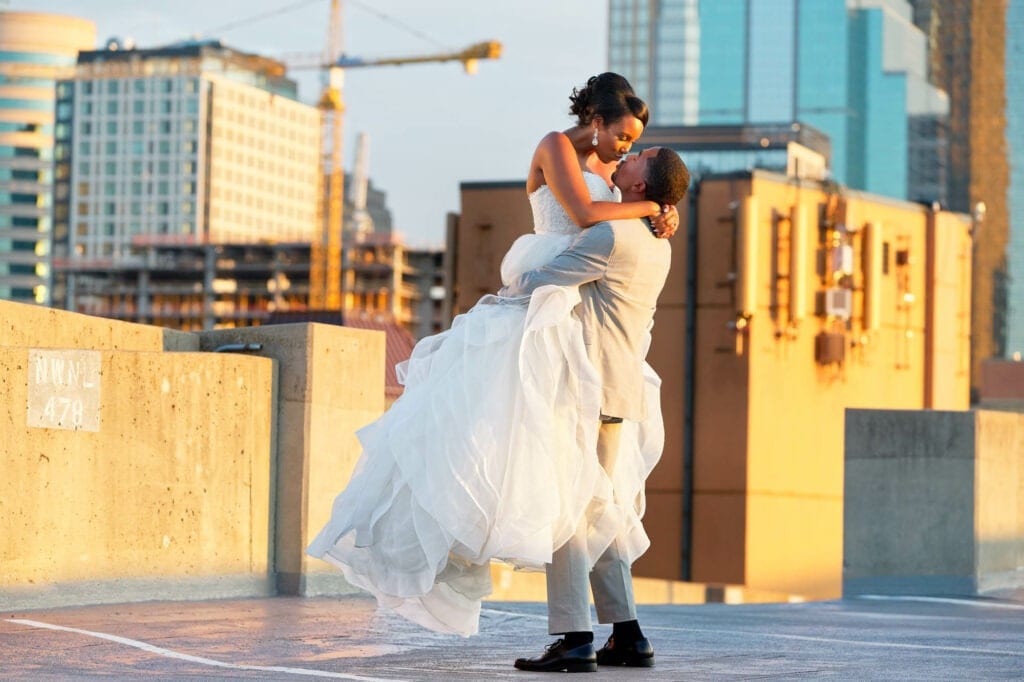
x=490, y=453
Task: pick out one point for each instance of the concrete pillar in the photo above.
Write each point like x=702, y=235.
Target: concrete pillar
x=933, y=502
x=330, y=383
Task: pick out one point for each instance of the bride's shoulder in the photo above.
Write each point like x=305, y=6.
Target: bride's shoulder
x=555, y=140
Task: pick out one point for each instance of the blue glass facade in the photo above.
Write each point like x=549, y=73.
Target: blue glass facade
x=723, y=59
x=823, y=76
x=1015, y=147
x=771, y=59
x=656, y=45
x=877, y=150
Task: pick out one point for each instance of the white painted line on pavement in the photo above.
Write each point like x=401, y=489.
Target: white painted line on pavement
x=980, y=603
x=829, y=640
x=845, y=642
x=197, y=659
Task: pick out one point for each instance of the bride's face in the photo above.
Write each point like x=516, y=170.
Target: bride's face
x=615, y=139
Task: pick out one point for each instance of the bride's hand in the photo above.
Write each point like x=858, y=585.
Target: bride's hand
x=666, y=222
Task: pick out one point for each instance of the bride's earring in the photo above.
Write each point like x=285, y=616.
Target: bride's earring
x=593, y=142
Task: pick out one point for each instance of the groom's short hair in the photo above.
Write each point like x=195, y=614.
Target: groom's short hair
x=667, y=178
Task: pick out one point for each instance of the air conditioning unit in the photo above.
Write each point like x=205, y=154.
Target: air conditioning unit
x=829, y=348
x=842, y=259
x=836, y=302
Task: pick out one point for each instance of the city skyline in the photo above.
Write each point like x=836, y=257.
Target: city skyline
x=422, y=145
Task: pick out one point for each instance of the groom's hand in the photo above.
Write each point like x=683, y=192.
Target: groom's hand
x=667, y=222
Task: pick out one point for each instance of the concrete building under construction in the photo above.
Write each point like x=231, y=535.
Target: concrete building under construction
x=195, y=287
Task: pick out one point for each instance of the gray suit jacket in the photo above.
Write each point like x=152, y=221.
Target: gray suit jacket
x=621, y=268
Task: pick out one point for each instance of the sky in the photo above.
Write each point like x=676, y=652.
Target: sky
x=430, y=126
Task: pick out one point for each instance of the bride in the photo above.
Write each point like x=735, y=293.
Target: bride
x=490, y=453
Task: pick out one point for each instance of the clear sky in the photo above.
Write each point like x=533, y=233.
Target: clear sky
x=430, y=125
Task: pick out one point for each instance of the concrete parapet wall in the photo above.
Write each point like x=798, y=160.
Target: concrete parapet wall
x=133, y=472
x=38, y=327
x=331, y=384
x=933, y=502
x=131, y=475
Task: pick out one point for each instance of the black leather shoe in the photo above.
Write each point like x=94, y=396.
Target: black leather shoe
x=557, y=658
x=638, y=654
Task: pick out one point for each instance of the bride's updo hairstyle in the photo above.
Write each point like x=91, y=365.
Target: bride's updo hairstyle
x=609, y=96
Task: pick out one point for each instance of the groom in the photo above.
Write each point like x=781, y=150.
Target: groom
x=621, y=268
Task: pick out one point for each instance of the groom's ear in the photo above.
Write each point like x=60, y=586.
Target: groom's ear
x=640, y=187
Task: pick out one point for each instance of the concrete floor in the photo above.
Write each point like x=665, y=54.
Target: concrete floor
x=346, y=638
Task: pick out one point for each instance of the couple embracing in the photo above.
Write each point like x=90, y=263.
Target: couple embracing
x=526, y=431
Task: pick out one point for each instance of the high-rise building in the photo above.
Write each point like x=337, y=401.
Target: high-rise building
x=968, y=44
x=854, y=69
x=35, y=50
x=1015, y=147
x=194, y=143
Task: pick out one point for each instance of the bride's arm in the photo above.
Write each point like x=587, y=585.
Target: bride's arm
x=556, y=160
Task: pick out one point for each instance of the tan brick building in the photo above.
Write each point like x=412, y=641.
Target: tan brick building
x=800, y=300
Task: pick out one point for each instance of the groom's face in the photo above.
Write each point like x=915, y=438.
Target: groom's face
x=631, y=174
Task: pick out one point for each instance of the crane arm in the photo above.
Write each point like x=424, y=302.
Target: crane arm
x=490, y=49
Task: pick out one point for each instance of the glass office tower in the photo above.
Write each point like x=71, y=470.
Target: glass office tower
x=35, y=50
x=855, y=69
x=1015, y=147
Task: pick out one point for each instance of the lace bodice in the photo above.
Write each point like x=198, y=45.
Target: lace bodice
x=548, y=215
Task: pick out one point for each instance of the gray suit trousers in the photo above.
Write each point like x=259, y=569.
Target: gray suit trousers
x=610, y=579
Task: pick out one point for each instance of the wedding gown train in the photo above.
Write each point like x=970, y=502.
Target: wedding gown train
x=490, y=453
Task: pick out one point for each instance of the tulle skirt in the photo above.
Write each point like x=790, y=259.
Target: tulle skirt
x=490, y=454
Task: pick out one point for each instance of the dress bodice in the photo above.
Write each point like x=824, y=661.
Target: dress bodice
x=548, y=215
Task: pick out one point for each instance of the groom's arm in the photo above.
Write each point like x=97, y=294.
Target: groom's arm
x=586, y=260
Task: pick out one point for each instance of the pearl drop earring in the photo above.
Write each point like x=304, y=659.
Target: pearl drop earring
x=593, y=142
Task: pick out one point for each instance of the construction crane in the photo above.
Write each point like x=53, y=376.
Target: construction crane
x=325, y=254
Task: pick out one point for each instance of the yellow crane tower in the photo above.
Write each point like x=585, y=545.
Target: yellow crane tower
x=325, y=255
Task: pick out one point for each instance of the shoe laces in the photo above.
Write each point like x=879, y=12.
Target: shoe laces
x=554, y=645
